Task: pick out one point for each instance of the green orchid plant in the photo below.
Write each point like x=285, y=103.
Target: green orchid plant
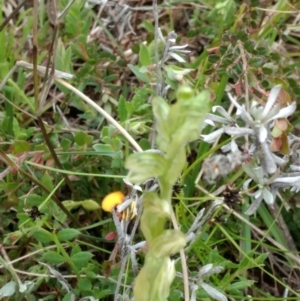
x=176, y=126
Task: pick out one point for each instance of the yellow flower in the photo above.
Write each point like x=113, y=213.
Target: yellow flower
x=112, y=200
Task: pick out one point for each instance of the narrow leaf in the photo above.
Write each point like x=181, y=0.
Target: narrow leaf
x=122, y=112
x=141, y=76
x=81, y=258
x=43, y=235
x=144, y=56
x=53, y=257
x=67, y=234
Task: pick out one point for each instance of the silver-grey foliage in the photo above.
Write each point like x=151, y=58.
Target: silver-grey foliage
x=251, y=130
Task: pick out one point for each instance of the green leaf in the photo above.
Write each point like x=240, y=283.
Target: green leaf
x=16, y=128
x=76, y=249
x=135, y=48
x=47, y=181
x=139, y=128
x=155, y=213
x=161, y=111
x=122, y=112
x=262, y=50
x=187, y=115
x=116, y=144
x=256, y=62
x=240, y=285
x=102, y=293
x=154, y=279
x=20, y=146
x=27, y=133
x=223, y=49
x=140, y=75
x=63, y=58
x=242, y=35
x=176, y=156
x=144, y=144
x=129, y=108
x=65, y=144
x=168, y=243
x=71, y=204
x=81, y=138
x=261, y=258
x=145, y=165
x=177, y=73
x=81, y=258
x=267, y=71
x=53, y=257
x=84, y=284
x=67, y=234
x=139, y=99
x=144, y=56
x=111, y=78
x=69, y=297
x=225, y=63
x=106, y=150
x=209, y=71
x=43, y=235
x=275, y=56
x=33, y=199
x=152, y=49
x=91, y=275
x=148, y=26
x=90, y=205
x=248, y=262
x=213, y=58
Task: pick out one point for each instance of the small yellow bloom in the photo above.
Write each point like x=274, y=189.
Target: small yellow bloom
x=112, y=200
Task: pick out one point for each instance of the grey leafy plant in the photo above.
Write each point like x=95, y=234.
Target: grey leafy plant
x=263, y=191
x=169, y=50
x=257, y=132
x=291, y=178
x=198, y=282
x=200, y=220
x=122, y=14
